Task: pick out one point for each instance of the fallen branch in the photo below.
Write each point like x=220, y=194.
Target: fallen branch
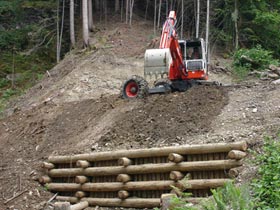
x=15, y=196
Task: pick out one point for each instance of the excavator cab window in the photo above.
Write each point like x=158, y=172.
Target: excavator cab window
x=194, y=50
x=182, y=44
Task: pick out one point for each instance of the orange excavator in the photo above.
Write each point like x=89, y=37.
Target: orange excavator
x=183, y=63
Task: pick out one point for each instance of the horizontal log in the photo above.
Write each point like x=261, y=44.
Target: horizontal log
x=80, y=206
x=67, y=198
x=66, y=172
x=123, y=194
x=236, y=154
x=153, y=152
x=47, y=165
x=123, y=178
x=124, y=161
x=129, y=203
x=147, y=168
x=135, y=186
x=176, y=158
x=63, y=187
x=82, y=164
x=176, y=175
x=45, y=179
x=81, y=179
x=199, y=184
x=129, y=186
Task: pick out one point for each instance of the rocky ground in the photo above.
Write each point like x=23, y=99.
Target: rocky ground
x=76, y=109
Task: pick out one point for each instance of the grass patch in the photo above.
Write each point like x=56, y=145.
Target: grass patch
x=266, y=187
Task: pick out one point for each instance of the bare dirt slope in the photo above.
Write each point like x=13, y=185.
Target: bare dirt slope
x=77, y=109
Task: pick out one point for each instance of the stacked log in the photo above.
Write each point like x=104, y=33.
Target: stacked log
x=132, y=174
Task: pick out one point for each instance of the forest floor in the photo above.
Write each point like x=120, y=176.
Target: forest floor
x=76, y=109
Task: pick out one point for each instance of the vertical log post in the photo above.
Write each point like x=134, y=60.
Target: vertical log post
x=176, y=158
x=82, y=164
x=123, y=194
x=123, y=178
x=236, y=154
x=62, y=206
x=165, y=201
x=80, y=194
x=45, y=179
x=80, y=206
x=47, y=165
x=124, y=161
x=233, y=173
x=176, y=175
x=81, y=179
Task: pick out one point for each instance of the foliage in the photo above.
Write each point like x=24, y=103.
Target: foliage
x=180, y=203
x=15, y=38
x=230, y=197
x=258, y=23
x=27, y=44
x=255, y=58
x=267, y=186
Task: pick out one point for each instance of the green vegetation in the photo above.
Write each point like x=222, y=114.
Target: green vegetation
x=266, y=188
x=258, y=23
x=230, y=197
x=27, y=44
x=257, y=58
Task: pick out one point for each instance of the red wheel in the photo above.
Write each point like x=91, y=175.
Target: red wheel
x=131, y=89
x=135, y=87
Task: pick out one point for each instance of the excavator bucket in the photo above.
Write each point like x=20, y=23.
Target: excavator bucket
x=157, y=63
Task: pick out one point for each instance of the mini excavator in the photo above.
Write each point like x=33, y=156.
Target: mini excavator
x=183, y=63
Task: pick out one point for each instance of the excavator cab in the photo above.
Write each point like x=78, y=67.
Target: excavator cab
x=195, y=59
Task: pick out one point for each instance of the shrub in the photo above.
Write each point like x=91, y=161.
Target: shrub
x=267, y=187
x=256, y=58
x=230, y=197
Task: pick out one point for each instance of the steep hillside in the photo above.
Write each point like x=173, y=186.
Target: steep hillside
x=76, y=109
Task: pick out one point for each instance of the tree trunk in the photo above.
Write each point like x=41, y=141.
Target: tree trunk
x=57, y=34
x=90, y=18
x=97, y=4
x=146, y=10
x=182, y=21
x=159, y=10
x=62, y=24
x=155, y=17
x=207, y=30
x=105, y=11
x=236, y=24
x=85, y=23
x=122, y=10
x=126, y=11
x=117, y=5
x=197, y=19
x=72, y=24
x=131, y=11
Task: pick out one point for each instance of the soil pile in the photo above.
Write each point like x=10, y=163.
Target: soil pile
x=167, y=119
